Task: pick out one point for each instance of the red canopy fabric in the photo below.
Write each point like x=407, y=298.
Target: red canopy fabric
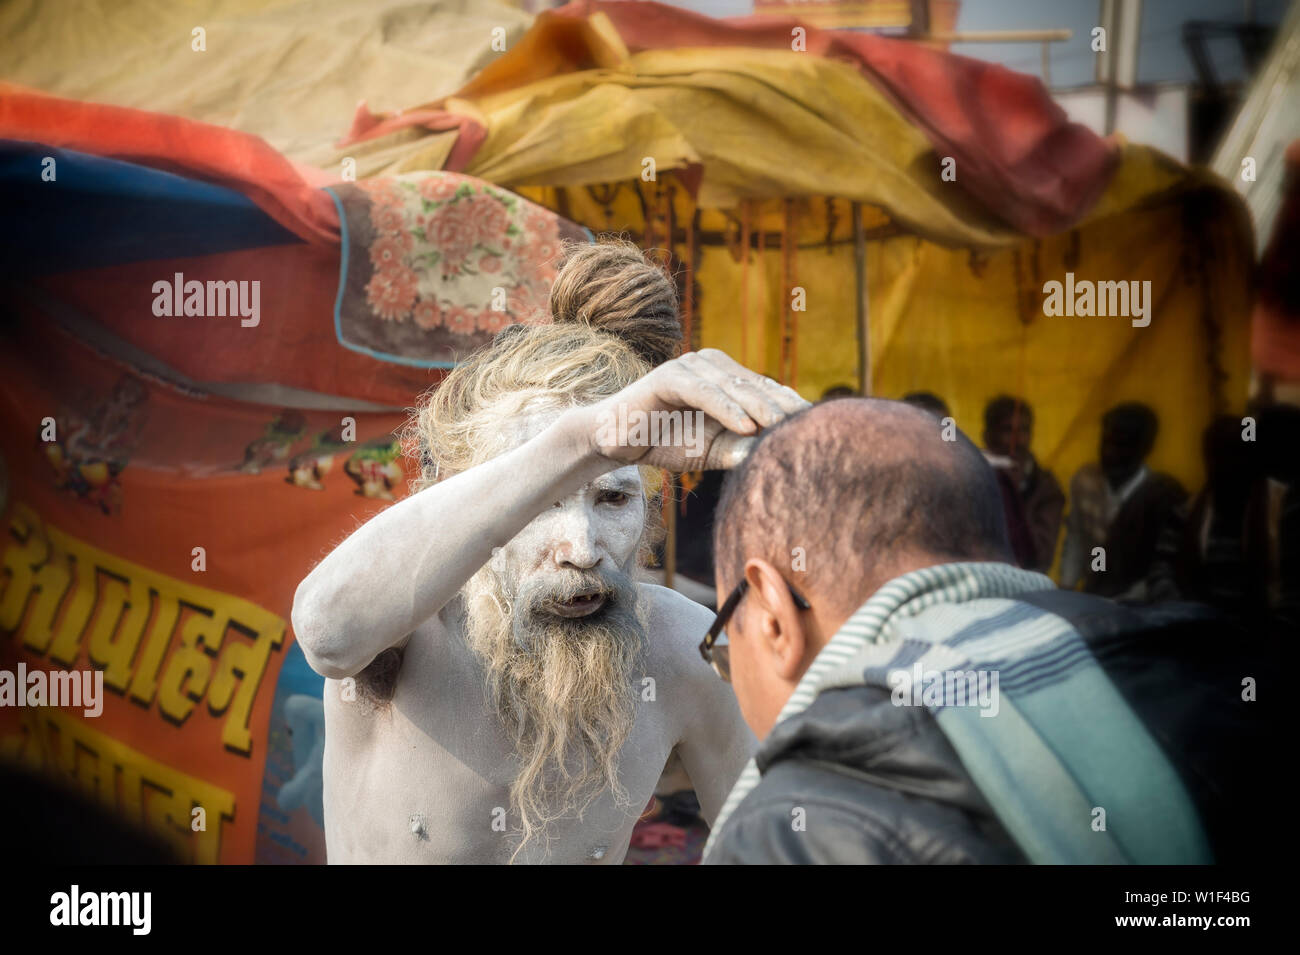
x=287, y=192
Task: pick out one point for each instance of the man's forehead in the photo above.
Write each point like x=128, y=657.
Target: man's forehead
x=522, y=428
x=627, y=479
x=528, y=424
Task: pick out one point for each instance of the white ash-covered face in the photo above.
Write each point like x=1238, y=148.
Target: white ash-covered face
x=554, y=618
x=576, y=556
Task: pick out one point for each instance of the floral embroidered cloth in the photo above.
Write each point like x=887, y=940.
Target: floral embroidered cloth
x=434, y=264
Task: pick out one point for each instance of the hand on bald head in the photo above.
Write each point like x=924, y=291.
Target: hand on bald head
x=866, y=489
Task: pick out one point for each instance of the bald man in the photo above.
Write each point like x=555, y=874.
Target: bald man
x=921, y=700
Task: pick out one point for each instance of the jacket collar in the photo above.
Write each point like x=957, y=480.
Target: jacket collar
x=841, y=662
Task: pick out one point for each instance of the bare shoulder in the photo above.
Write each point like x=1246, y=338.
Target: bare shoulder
x=676, y=624
x=703, y=708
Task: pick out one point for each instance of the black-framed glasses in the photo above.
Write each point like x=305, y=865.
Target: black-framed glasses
x=719, y=656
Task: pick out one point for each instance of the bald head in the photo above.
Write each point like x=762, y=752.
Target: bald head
x=869, y=489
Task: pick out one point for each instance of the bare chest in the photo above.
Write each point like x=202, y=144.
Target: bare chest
x=427, y=777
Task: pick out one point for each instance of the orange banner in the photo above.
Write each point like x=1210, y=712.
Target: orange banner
x=157, y=537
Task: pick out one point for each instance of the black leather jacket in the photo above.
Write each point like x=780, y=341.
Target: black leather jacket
x=876, y=783
x=856, y=779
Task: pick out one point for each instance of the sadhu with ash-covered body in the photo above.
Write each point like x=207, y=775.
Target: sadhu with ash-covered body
x=499, y=645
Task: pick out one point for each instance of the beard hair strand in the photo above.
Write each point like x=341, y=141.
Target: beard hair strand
x=562, y=687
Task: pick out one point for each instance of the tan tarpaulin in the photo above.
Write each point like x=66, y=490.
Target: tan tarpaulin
x=289, y=71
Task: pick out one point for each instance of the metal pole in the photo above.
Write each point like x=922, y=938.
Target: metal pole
x=862, y=306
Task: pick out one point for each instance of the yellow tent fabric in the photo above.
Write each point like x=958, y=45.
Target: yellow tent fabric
x=763, y=123
x=937, y=324
x=968, y=323
x=955, y=295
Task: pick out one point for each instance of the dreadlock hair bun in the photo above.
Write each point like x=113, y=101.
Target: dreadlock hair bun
x=613, y=287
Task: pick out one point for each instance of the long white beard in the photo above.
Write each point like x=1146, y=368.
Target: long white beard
x=562, y=687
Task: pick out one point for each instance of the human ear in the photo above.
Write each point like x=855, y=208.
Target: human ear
x=777, y=625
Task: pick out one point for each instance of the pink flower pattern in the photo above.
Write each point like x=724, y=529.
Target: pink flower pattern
x=389, y=251
x=479, y=231
x=438, y=187
x=391, y=293
x=427, y=314
x=459, y=319
x=492, y=322
x=388, y=220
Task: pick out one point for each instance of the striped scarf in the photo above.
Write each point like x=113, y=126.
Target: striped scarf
x=1063, y=743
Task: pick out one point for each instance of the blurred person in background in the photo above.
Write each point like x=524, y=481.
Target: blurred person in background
x=838, y=391
x=1031, y=493
x=1224, y=556
x=1132, y=513
x=928, y=401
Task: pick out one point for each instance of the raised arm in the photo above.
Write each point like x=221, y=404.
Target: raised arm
x=403, y=565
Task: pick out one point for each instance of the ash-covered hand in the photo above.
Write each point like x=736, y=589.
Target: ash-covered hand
x=700, y=411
